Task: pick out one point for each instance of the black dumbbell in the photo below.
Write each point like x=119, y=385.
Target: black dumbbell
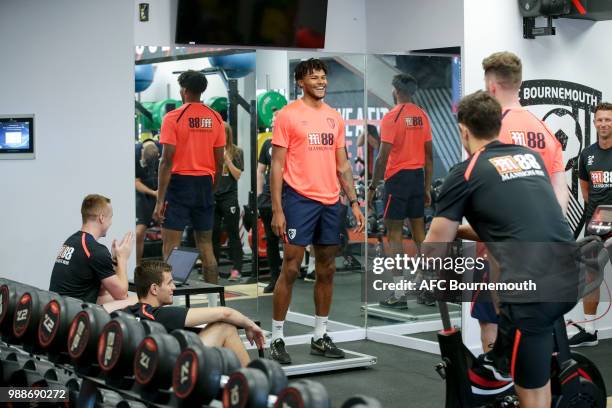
x=130, y=404
x=156, y=355
x=33, y=373
x=201, y=372
x=55, y=323
x=107, y=398
x=361, y=401
x=255, y=386
x=73, y=386
x=10, y=292
x=28, y=312
x=119, y=339
x=83, y=335
x=11, y=361
x=303, y=394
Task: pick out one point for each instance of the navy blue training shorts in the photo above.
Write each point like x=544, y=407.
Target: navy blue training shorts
x=309, y=221
x=405, y=195
x=189, y=200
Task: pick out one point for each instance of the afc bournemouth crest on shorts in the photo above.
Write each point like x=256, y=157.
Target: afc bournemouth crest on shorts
x=233, y=209
x=331, y=122
x=567, y=109
x=292, y=232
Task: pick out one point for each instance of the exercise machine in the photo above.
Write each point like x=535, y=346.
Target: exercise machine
x=575, y=380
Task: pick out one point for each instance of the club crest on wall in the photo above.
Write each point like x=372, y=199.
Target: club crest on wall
x=567, y=109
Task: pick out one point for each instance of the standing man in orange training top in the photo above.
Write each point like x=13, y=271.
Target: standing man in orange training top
x=193, y=137
x=308, y=160
x=405, y=158
x=503, y=77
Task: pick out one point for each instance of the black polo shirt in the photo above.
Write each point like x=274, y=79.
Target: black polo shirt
x=595, y=167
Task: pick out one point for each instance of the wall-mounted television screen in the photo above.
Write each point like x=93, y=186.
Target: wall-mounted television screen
x=272, y=23
x=17, y=137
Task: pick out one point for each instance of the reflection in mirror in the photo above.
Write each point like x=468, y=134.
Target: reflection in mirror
x=330, y=271
x=412, y=142
x=216, y=98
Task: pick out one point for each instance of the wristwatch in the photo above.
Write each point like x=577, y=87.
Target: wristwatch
x=371, y=187
x=353, y=202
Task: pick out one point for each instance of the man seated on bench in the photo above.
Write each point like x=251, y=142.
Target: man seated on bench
x=155, y=287
x=85, y=269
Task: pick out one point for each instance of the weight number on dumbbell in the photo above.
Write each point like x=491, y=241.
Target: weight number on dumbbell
x=49, y=323
x=22, y=315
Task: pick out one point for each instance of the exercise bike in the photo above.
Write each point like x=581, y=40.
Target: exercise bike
x=575, y=380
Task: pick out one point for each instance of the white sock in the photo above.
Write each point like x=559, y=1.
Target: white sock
x=311, y=264
x=277, y=329
x=213, y=299
x=590, y=326
x=320, y=327
x=398, y=292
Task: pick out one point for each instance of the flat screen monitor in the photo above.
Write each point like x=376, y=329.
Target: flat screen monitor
x=17, y=137
x=273, y=23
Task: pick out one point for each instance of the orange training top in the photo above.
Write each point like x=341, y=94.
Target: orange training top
x=407, y=128
x=521, y=127
x=195, y=130
x=311, y=137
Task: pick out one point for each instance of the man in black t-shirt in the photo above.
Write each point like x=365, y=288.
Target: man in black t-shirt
x=154, y=287
x=146, y=192
x=595, y=173
x=264, y=206
x=506, y=196
x=85, y=269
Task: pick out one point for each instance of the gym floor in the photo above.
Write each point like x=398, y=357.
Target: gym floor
x=420, y=384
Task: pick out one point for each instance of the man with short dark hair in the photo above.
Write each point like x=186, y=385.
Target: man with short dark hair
x=309, y=164
x=155, y=287
x=84, y=268
x=193, y=137
x=405, y=160
x=504, y=192
x=595, y=173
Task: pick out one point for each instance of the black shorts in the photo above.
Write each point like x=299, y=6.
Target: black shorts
x=145, y=205
x=309, y=221
x=525, y=337
x=405, y=195
x=189, y=200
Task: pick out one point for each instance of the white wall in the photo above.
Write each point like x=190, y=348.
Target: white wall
x=161, y=27
x=71, y=64
x=272, y=69
x=346, y=26
x=399, y=26
x=573, y=55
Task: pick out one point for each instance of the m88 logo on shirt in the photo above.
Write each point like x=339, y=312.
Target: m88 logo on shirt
x=601, y=179
x=64, y=255
x=515, y=166
x=531, y=139
x=320, y=141
x=413, y=121
x=200, y=123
